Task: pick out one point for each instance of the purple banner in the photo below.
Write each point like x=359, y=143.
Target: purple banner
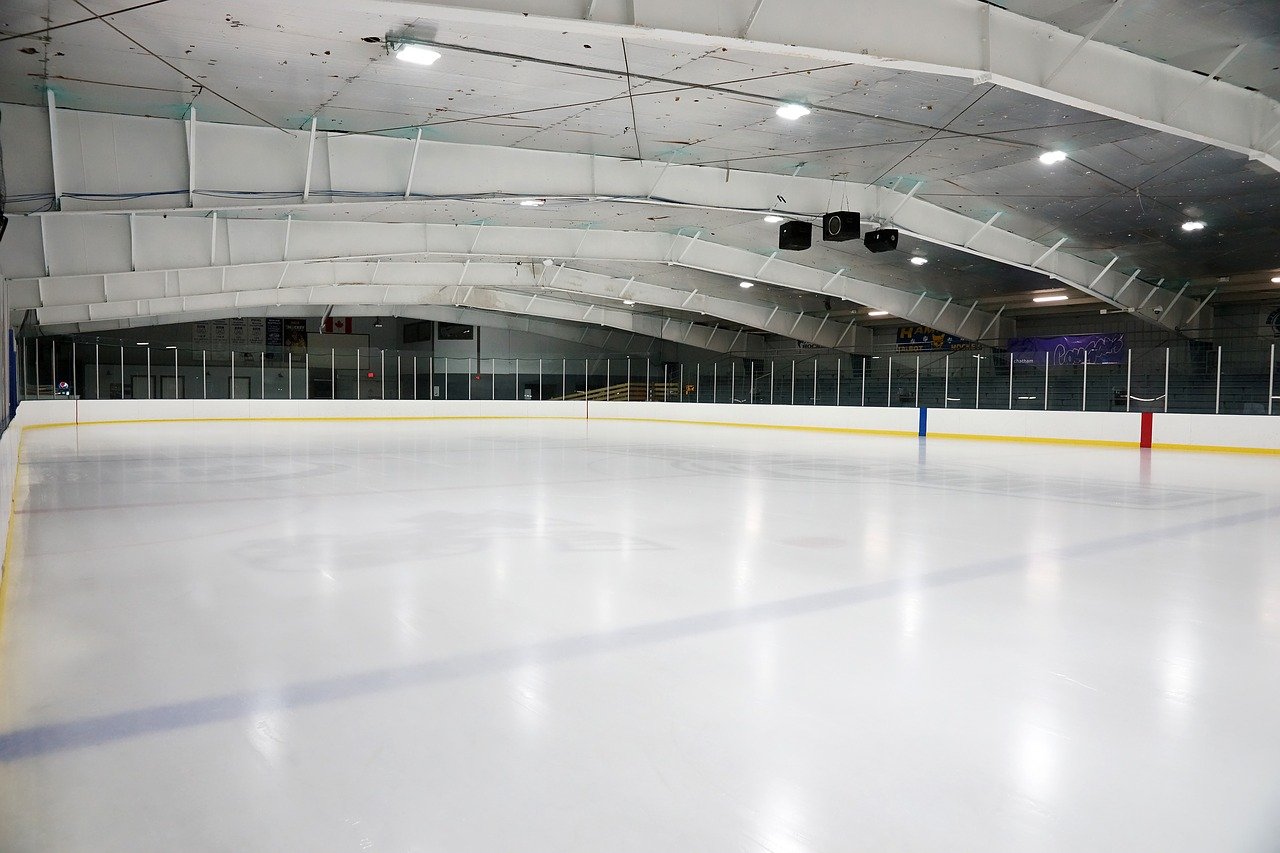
x=1105, y=348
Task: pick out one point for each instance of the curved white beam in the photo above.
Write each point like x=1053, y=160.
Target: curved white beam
x=957, y=38
x=114, y=245
x=367, y=164
x=409, y=283
x=788, y=324
x=536, y=305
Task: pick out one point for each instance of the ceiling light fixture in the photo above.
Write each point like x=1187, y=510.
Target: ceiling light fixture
x=791, y=112
x=533, y=202
x=877, y=313
x=377, y=322
x=1051, y=157
x=1275, y=279
x=144, y=343
x=1057, y=298
x=628, y=302
x=416, y=54
x=1194, y=225
x=919, y=261
x=773, y=220
x=746, y=284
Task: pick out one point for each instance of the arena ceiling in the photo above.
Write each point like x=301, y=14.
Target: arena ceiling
x=931, y=117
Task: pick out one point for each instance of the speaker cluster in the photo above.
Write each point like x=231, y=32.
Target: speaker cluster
x=837, y=227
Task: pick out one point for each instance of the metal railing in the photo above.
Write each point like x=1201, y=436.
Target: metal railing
x=1195, y=378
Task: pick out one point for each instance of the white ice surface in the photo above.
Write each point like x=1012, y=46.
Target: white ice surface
x=479, y=636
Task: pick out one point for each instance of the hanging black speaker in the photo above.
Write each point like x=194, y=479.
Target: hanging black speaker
x=841, y=225
x=795, y=236
x=883, y=240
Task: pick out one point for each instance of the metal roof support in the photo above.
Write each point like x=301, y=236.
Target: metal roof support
x=1200, y=307
x=311, y=148
x=943, y=308
x=1150, y=294
x=983, y=227
x=832, y=280
x=1128, y=282
x=413, y=163
x=1093, y=31
x=191, y=156
x=1105, y=270
x=994, y=319
x=52, y=102
x=910, y=194
x=1175, y=299
x=1050, y=251
x=751, y=19
x=1213, y=75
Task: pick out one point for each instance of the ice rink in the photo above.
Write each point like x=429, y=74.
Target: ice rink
x=554, y=636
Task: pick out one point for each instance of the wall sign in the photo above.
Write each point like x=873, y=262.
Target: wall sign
x=1108, y=348
x=924, y=339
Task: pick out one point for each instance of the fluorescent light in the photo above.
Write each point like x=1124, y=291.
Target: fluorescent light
x=628, y=302
x=1051, y=157
x=746, y=284
x=170, y=347
x=919, y=261
x=773, y=220
x=877, y=313
x=1275, y=279
x=144, y=343
x=416, y=54
x=791, y=112
x=533, y=202
x=1195, y=225
x=1058, y=298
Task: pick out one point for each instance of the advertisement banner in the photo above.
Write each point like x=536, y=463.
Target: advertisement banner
x=275, y=332
x=1271, y=325
x=294, y=335
x=924, y=339
x=1106, y=348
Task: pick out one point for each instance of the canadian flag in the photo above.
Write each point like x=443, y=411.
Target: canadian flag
x=337, y=326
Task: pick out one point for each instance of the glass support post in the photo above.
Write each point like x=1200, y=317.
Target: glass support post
x=1046, y=382
x=888, y=391
x=917, y=381
x=977, y=383
x=1217, y=390
x=946, y=381
x=1011, y=381
x=1084, y=384
x=1166, y=379
x=1128, y=381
